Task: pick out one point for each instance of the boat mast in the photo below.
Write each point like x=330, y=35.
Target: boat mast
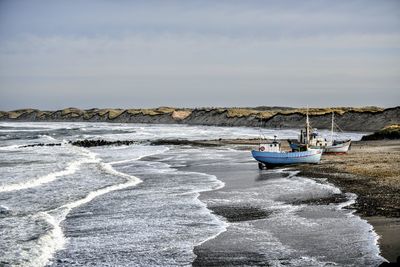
x=308, y=128
x=333, y=114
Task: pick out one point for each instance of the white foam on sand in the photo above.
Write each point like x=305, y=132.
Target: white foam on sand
x=223, y=225
x=375, y=237
x=160, y=151
x=369, y=232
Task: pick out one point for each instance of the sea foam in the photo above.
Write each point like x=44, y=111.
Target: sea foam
x=54, y=239
x=70, y=169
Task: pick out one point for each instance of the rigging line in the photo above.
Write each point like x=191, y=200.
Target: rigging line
x=338, y=127
x=262, y=135
x=259, y=128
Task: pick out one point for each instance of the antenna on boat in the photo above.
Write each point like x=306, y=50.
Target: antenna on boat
x=333, y=115
x=308, y=128
x=262, y=136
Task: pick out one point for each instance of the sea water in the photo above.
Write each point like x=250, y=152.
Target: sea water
x=139, y=205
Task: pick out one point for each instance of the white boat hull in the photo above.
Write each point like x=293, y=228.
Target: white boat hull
x=285, y=158
x=338, y=148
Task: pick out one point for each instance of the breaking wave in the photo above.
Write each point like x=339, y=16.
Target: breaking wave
x=70, y=169
x=54, y=239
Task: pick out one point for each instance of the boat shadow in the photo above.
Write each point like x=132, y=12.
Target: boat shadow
x=270, y=175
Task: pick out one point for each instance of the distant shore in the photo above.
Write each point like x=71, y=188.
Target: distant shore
x=365, y=119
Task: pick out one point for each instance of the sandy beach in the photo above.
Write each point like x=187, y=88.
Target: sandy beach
x=370, y=170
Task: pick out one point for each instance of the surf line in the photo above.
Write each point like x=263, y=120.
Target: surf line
x=223, y=224
x=70, y=169
x=55, y=240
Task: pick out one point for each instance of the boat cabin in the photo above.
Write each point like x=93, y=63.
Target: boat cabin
x=270, y=147
x=314, y=139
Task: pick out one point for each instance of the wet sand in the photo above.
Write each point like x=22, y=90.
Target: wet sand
x=389, y=232
x=232, y=248
x=371, y=170
x=255, y=236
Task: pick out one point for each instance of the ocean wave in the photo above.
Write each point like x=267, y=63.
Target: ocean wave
x=107, y=167
x=48, y=137
x=162, y=150
x=4, y=211
x=72, y=167
x=224, y=225
x=54, y=239
x=20, y=130
x=47, y=243
x=218, y=184
x=10, y=148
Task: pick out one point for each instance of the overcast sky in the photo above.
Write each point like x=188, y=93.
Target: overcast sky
x=56, y=54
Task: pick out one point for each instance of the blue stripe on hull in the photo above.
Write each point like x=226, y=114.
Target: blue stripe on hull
x=311, y=156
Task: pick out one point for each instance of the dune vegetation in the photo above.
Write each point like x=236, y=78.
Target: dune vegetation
x=388, y=132
x=260, y=112
x=350, y=118
x=265, y=114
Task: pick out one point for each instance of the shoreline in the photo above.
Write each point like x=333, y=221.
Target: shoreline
x=245, y=204
x=370, y=170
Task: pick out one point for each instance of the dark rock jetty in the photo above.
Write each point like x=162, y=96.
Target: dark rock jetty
x=42, y=144
x=88, y=143
x=183, y=142
x=159, y=142
x=93, y=143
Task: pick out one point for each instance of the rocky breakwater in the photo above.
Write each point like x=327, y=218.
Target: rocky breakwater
x=88, y=143
x=349, y=119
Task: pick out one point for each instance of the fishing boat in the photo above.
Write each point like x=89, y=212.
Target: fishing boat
x=338, y=147
x=314, y=140
x=270, y=155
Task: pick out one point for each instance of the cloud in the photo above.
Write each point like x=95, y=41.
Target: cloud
x=199, y=53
